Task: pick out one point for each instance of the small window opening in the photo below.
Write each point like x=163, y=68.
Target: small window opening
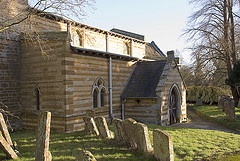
x=37, y=97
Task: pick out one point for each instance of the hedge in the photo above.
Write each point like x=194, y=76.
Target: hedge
x=208, y=95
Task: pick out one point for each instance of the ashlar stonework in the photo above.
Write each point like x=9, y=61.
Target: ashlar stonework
x=163, y=146
x=90, y=125
x=102, y=126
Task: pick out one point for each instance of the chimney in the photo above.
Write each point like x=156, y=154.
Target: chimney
x=170, y=55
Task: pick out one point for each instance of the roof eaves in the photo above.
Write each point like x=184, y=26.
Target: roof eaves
x=92, y=52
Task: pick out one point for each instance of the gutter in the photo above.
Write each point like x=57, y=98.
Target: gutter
x=110, y=88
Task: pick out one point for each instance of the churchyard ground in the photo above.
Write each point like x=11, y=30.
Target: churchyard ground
x=189, y=144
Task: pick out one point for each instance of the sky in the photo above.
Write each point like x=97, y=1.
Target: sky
x=161, y=21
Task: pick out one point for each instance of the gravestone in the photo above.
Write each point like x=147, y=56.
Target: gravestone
x=229, y=108
x=199, y=102
x=43, y=134
x=119, y=132
x=163, y=146
x=5, y=140
x=102, y=126
x=7, y=149
x=83, y=155
x=90, y=125
x=142, y=138
x=130, y=132
x=227, y=105
x=4, y=130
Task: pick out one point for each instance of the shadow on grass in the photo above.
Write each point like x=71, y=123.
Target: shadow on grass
x=64, y=147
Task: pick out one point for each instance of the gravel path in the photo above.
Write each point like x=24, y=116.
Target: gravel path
x=198, y=123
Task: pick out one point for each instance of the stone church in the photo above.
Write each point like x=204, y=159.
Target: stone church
x=75, y=70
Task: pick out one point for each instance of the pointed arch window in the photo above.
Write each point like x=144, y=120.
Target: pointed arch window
x=37, y=97
x=99, y=92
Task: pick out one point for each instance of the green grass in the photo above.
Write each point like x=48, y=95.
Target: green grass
x=216, y=115
x=189, y=144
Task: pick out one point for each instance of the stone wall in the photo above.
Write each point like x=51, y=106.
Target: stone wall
x=171, y=78
x=45, y=73
x=82, y=72
x=142, y=110
x=65, y=80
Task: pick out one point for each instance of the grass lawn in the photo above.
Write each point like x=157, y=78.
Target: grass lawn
x=189, y=144
x=214, y=114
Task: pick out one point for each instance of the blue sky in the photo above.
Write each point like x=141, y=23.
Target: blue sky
x=162, y=21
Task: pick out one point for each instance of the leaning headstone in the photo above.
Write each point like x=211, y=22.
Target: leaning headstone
x=130, y=132
x=119, y=132
x=199, y=102
x=102, y=126
x=90, y=125
x=4, y=130
x=142, y=138
x=83, y=155
x=7, y=149
x=43, y=134
x=163, y=146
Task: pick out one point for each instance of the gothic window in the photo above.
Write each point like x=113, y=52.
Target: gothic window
x=102, y=97
x=95, y=98
x=37, y=98
x=99, y=92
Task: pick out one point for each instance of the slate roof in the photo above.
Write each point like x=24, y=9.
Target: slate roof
x=154, y=45
x=130, y=34
x=144, y=80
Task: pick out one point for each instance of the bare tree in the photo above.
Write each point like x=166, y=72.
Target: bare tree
x=212, y=30
x=14, y=12
x=16, y=17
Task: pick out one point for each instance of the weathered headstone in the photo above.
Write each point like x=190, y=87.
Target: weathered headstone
x=226, y=103
x=7, y=149
x=130, y=132
x=83, y=155
x=4, y=130
x=43, y=134
x=119, y=132
x=102, y=126
x=90, y=125
x=163, y=146
x=142, y=138
x=199, y=102
x=229, y=108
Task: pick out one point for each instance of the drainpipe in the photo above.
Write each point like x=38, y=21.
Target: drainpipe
x=123, y=107
x=110, y=87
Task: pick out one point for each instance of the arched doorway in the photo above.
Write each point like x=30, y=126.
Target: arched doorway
x=174, y=105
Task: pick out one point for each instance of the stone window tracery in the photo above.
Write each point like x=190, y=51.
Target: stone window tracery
x=99, y=92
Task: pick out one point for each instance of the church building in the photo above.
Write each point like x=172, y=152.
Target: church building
x=75, y=70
